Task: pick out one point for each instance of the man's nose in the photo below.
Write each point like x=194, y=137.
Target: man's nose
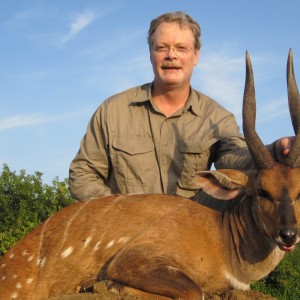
x=171, y=53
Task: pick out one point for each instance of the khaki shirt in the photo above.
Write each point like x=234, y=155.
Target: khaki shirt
x=131, y=147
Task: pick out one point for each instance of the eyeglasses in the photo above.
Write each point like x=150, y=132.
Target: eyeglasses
x=178, y=50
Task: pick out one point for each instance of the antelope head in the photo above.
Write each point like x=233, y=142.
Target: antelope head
x=276, y=186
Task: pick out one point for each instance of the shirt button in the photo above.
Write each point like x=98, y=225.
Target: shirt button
x=165, y=144
x=165, y=171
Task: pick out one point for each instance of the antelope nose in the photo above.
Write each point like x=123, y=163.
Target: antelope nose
x=289, y=236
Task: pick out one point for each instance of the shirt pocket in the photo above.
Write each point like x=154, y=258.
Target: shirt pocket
x=133, y=160
x=195, y=158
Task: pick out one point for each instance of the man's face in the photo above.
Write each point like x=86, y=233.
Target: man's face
x=172, y=55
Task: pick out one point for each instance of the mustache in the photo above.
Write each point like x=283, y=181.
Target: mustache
x=166, y=65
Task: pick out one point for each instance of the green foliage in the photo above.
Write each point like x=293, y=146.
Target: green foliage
x=25, y=202
x=283, y=282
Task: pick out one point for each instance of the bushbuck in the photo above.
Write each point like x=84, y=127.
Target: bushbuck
x=165, y=246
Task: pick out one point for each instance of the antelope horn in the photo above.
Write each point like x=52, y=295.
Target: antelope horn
x=294, y=106
x=261, y=156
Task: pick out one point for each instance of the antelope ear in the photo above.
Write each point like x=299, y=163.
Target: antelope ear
x=221, y=184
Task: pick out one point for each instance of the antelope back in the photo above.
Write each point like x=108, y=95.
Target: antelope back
x=114, y=237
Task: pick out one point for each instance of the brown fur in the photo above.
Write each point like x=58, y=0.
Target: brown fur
x=160, y=244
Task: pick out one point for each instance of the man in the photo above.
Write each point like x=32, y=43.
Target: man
x=153, y=138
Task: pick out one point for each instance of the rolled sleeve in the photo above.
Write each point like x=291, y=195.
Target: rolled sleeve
x=232, y=151
x=89, y=169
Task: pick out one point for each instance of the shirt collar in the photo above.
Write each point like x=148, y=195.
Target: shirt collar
x=144, y=95
x=194, y=102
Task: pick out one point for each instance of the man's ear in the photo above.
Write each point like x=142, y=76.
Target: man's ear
x=196, y=58
x=221, y=184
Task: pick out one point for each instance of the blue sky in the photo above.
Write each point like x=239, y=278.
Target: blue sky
x=60, y=59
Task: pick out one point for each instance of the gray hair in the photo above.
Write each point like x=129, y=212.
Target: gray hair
x=183, y=20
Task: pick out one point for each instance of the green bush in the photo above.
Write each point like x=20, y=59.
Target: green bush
x=283, y=282
x=25, y=202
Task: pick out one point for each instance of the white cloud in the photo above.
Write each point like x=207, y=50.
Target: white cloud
x=80, y=21
x=20, y=121
x=118, y=42
x=272, y=110
x=32, y=119
x=19, y=17
x=221, y=75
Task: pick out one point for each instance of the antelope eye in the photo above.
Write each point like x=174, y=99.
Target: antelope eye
x=264, y=194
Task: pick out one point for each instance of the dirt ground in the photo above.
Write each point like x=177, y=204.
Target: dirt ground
x=102, y=293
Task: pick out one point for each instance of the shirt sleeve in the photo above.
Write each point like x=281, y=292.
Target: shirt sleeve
x=89, y=169
x=231, y=151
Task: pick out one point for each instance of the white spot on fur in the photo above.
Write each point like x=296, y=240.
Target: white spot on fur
x=29, y=280
x=11, y=256
x=15, y=276
x=41, y=240
x=19, y=285
x=173, y=269
x=237, y=284
x=3, y=278
x=87, y=241
x=25, y=252
x=123, y=239
x=110, y=244
x=43, y=262
x=118, y=198
x=65, y=233
x=30, y=258
x=97, y=246
x=14, y=295
x=2, y=266
x=67, y=252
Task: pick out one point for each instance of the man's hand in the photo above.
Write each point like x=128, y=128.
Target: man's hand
x=282, y=147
